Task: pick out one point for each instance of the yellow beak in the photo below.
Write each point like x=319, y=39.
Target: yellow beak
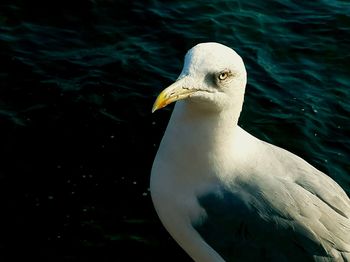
x=172, y=93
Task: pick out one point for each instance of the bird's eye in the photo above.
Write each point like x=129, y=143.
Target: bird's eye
x=223, y=75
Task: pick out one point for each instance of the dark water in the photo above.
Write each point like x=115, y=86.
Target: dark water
x=77, y=83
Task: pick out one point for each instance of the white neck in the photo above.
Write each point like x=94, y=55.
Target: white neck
x=195, y=154
x=202, y=135
x=200, y=125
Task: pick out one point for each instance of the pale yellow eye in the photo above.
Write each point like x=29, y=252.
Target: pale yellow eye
x=223, y=75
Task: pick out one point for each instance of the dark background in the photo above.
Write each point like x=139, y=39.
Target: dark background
x=77, y=83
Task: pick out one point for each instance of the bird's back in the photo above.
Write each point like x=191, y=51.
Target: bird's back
x=292, y=213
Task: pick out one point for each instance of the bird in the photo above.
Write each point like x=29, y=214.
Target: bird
x=225, y=195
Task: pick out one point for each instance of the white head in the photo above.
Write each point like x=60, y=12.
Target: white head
x=213, y=78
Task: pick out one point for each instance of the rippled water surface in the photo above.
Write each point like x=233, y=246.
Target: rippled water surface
x=77, y=83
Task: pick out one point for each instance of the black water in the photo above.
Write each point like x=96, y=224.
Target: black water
x=77, y=83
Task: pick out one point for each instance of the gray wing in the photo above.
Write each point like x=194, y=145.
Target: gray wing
x=300, y=216
x=311, y=179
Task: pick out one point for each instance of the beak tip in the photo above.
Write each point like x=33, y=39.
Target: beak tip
x=155, y=107
x=159, y=103
x=167, y=96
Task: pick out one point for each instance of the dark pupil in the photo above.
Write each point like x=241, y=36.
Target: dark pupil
x=223, y=75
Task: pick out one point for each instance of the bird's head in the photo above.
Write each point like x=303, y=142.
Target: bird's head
x=213, y=77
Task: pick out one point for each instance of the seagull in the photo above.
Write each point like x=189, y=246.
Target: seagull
x=225, y=195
